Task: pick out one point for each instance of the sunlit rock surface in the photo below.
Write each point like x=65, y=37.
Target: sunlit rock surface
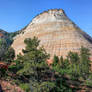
x=58, y=34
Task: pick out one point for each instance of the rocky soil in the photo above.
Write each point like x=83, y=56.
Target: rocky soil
x=6, y=86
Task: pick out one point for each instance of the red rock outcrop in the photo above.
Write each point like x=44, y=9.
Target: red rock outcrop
x=6, y=86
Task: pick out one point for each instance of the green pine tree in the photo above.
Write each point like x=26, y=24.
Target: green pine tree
x=32, y=67
x=84, y=62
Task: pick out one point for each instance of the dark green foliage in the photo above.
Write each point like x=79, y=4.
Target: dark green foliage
x=3, y=48
x=31, y=44
x=33, y=58
x=31, y=71
x=84, y=62
x=2, y=72
x=73, y=57
x=76, y=65
x=25, y=87
x=55, y=60
x=65, y=64
x=7, y=59
x=5, y=42
x=32, y=68
x=61, y=61
x=9, y=55
x=61, y=86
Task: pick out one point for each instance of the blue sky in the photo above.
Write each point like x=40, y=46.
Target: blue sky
x=15, y=14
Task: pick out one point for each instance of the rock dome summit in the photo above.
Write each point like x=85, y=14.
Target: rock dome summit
x=57, y=33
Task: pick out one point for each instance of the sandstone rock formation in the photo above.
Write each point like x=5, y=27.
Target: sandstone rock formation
x=8, y=86
x=58, y=34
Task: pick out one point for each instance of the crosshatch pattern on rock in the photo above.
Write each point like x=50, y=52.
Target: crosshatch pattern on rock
x=58, y=34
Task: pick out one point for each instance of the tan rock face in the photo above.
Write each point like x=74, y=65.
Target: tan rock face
x=58, y=34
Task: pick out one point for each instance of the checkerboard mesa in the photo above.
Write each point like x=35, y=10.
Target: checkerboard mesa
x=58, y=34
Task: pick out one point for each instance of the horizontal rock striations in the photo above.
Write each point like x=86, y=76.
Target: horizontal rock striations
x=58, y=34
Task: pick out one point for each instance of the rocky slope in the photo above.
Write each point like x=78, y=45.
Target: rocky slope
x=58, y=34
x=6, y=86
x=3, y=34
x=4, y=43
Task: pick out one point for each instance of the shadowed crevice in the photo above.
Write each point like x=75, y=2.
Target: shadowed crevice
x=1, y=89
